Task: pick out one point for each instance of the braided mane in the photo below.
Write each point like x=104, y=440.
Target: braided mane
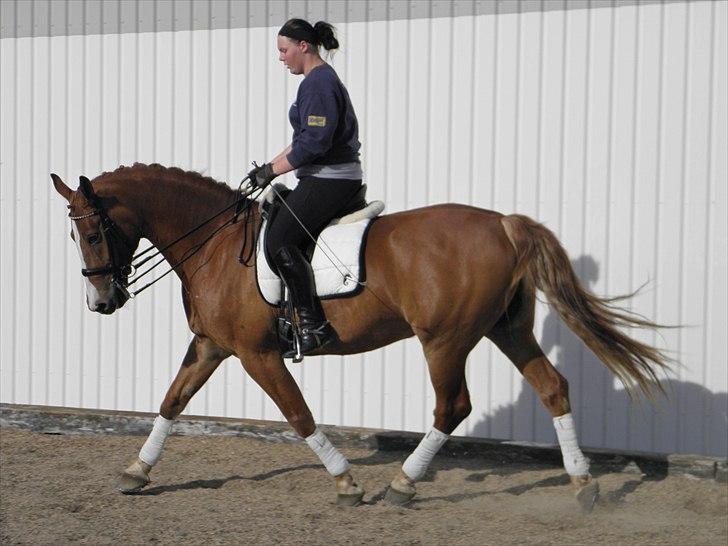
x=142, y=170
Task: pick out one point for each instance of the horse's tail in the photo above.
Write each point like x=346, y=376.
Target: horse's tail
x=595, y=320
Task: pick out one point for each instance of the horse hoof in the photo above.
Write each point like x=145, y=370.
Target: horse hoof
x=354, y=499
x=587, y=495
x=134, y=478
x=401, y=490
x=348, y=492
x=398, y=498
x=130, y=484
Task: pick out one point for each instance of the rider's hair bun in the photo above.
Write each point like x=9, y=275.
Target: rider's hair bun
x=326, y=36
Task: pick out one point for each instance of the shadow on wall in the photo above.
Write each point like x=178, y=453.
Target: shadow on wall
x=690, y=420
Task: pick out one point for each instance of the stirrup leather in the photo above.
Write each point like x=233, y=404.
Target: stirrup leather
x=289, y=336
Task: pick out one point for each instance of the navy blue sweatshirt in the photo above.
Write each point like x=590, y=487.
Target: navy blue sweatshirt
x=325, y=129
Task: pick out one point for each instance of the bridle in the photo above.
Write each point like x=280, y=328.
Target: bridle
x=122, y=271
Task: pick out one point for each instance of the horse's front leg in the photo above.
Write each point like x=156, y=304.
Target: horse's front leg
x=202, y=358
x=268, y=370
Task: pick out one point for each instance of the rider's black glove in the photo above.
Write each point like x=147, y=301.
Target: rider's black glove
x=262, y=175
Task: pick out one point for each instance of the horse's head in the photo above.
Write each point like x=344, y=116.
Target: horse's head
x=105, y=245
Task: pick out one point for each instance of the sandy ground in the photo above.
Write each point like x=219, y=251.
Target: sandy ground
x=58, y=489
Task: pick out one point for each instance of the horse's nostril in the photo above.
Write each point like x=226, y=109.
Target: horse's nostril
x=100, y=307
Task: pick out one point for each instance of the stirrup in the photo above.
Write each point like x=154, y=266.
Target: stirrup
x=289, y=340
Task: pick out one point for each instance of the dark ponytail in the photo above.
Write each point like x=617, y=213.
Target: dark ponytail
x=326, y=35
x=320, y=34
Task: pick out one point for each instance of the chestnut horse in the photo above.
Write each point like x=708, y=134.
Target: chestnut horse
x=448, y=274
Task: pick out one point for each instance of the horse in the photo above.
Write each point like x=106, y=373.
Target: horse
x=449, y=274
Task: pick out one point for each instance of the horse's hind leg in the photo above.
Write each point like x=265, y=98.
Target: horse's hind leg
x=446, y=363
x=202, y=358
x=513, y=334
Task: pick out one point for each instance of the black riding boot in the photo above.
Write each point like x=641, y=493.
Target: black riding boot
x=296, y=272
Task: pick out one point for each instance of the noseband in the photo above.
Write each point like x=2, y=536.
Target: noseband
x=120, y=272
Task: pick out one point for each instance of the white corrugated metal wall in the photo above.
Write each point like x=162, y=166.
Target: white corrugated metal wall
x=606, y=123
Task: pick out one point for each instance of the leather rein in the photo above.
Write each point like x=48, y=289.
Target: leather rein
x=121, y=272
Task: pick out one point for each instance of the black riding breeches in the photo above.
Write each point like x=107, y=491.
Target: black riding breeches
x=315, y=201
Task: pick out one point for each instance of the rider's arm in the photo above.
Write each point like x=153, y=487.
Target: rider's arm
x=284, y=153
x=281, y=164
x=318, y=115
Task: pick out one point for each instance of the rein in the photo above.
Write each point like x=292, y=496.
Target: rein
x=122, y=272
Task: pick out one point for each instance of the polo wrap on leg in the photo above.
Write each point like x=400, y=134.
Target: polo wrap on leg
x=416, y=464
x=333, y=460
x=152, y=448
x=574, y=461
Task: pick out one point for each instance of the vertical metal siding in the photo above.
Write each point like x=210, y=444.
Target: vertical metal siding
x=606, y=123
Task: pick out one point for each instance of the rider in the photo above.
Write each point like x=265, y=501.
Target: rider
x=325, y=153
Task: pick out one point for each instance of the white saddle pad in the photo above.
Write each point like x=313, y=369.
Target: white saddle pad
x=340, y=243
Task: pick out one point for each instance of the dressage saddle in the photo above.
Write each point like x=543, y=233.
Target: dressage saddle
x=289, y=334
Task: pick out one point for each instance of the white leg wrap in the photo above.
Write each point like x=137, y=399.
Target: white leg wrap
x=152, y=448
x=416, y=464
x=333, y=460
x=574, y=461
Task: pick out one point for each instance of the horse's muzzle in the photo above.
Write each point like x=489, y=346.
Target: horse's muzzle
x=117, y=301
x=105, y=308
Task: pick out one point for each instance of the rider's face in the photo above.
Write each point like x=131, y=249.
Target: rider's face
x=292, y=54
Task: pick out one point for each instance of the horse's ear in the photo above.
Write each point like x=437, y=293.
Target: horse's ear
x=87, y=190
x=61, y=188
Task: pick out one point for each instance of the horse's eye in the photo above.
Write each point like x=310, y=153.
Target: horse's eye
x=94, y=239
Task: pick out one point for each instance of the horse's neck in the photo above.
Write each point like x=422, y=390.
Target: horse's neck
x=169, y=209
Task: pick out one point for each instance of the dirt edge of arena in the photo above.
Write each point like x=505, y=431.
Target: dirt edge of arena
x=61, y=420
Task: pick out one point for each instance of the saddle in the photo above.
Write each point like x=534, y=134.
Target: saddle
x=337, y=262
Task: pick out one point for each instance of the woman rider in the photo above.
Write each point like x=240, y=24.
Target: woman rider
x=325, y=154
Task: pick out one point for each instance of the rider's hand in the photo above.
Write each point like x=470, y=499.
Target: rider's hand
x=262, y=175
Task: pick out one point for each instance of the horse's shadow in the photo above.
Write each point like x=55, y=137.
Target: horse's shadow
x=376, y=458
x=481, y=470
x=552, y=481
x=476, y=463
x=194, y=484
x=220, y=482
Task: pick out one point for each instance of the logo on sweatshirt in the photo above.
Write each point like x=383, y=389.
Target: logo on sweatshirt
x=316, y=121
